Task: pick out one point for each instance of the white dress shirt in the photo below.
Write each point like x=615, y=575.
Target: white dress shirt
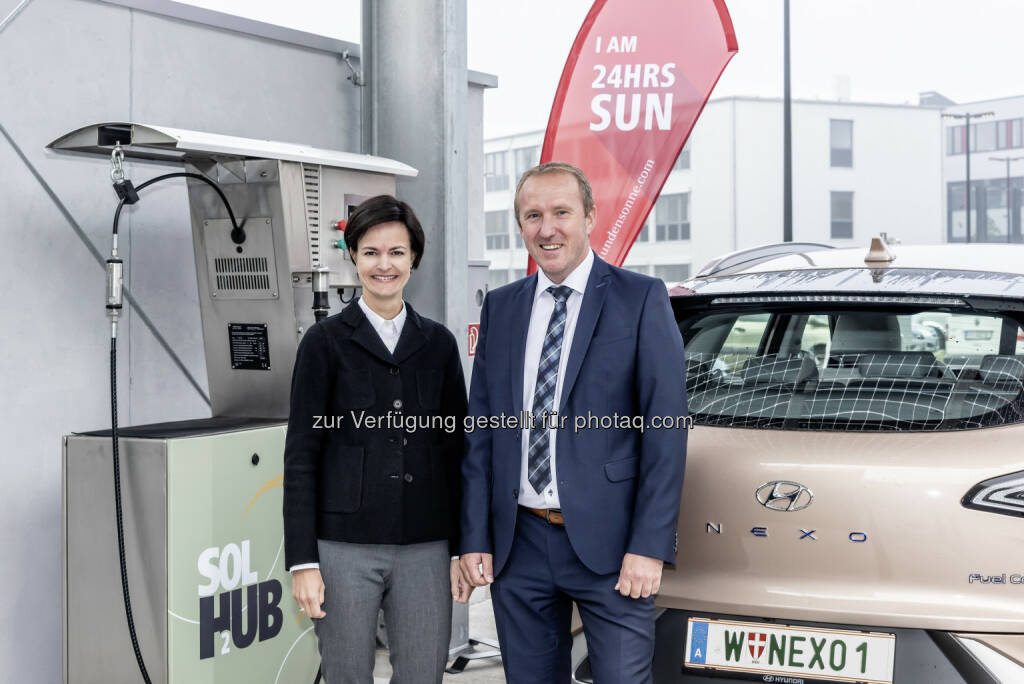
x=389, y=330
x=543, y=305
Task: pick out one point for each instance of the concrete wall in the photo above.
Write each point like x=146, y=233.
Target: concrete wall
x=69, y=63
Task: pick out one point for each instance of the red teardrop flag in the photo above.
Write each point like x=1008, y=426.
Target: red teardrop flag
x=637, y=78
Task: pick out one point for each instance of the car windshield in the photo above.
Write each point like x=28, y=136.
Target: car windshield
x=871, y=370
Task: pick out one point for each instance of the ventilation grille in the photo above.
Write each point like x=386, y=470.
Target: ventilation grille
x=311, y=187
x=235, y=273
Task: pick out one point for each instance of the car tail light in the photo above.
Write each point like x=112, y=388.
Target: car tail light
x=1003, y=494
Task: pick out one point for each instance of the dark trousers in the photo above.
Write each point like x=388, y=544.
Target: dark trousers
x=533, y=599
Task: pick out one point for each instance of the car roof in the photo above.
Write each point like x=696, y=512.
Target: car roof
x=986, y=258
x=952, y=270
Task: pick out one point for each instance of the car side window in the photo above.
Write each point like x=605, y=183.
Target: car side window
x=744, y=339
x=817, y=338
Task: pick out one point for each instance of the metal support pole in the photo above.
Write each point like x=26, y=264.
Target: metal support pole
x=787, y=141
x=967, y=152
x=414, y=65
x=967, y=116
x=368, y=102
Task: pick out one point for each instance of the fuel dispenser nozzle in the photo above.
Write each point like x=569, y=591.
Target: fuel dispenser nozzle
x=115, y=285
x=321, y=302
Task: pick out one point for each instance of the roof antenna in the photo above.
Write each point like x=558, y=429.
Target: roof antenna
x=879, y=253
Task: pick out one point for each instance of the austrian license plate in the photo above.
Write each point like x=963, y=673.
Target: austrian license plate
x=759, y=648
x=977, y=334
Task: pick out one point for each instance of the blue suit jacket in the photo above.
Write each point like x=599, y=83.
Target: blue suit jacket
x=619, y=488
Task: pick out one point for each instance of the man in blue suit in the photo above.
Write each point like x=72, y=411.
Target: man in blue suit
x=581, y=506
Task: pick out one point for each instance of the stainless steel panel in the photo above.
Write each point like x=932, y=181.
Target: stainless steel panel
x=302, y=295
x=340, y=188
x=262, y=393
x=293, y=204
x=247, y=274
x=97, y=643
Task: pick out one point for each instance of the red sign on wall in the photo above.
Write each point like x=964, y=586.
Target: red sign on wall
x=635, y=82
x=474, y=333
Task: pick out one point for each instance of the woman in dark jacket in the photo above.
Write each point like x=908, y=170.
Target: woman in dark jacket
x=372, y=465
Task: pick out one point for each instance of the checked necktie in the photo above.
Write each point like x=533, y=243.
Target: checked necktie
x=544, y=394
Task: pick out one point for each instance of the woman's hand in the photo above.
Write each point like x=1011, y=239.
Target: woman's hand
x=308, y=591
x=461, y=587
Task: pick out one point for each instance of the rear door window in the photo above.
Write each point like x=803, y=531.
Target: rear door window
x=869, y=370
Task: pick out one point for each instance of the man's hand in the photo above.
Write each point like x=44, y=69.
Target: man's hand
x=640, y=576
x=461, y=586
x=308, y=591
x=478, y=567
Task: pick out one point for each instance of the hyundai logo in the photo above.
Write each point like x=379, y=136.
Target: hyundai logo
x=783, y=495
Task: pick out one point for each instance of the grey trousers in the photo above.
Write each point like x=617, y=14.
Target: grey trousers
x=411, y=583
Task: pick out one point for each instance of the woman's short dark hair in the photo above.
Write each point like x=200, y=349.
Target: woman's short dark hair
x=384, y=209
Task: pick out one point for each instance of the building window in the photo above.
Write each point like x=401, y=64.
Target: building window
x=996, y=227
x=1003, y=134
x=672, y=217
x=644, y=235
x=683, y=160
x=526, y=158
x=956, y=202
x=496, y=229
x=1008, y=134
x=983, y=137
x=842, y=215
x=518, y=273
x=643, y=269
x=990, y=221
x=955, y=140
x=497, y=278
x=841, y=135
x=672, y=273
x=517, y=236
x=496, y=171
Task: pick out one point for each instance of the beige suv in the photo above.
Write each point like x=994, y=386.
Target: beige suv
x=855, y=478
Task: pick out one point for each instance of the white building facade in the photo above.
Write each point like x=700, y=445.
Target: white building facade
x=858, y=170
x=995, y=138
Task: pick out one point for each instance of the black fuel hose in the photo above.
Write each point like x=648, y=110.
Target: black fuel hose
x=120, y=517
x=237, y=234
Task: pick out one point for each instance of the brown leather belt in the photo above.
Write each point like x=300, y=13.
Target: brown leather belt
x=551, y=515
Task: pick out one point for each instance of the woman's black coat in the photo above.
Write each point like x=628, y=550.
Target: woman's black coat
x=383, y=484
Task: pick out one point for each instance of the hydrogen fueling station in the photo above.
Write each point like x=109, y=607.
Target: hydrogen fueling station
x=205, y=494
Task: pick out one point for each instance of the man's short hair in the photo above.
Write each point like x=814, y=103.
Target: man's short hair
x=384, y=209
x=586, y=194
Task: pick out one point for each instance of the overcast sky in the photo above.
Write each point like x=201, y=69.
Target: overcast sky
x=890, y=50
